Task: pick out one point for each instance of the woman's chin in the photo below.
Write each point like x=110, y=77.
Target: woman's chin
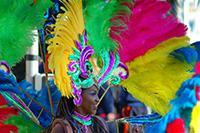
x=93, y=112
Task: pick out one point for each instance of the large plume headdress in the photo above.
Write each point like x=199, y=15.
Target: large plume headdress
x=147, y=41
x=62, y=44
x=69, y=54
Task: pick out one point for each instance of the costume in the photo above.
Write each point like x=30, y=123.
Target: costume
x=69, y=59
x=150, y=40
x=70, y=53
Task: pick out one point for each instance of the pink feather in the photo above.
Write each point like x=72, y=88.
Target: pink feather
x=5, y=113
x=148, y=25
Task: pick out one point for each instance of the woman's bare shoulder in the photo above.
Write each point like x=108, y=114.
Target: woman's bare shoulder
x=57, y=128
x=61, y=125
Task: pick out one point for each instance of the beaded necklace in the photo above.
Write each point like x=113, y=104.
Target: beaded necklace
x=84, y=120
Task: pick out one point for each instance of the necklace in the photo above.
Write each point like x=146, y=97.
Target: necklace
x=84, y=120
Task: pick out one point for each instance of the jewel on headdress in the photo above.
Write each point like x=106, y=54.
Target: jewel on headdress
x=4, y=66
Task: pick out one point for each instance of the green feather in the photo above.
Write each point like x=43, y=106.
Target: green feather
x=97, y=15
x=17, y=21
x=23, y=124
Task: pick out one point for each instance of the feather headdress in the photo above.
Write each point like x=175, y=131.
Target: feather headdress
x=70, y=53
x=67, y=28
x=98, y=15
x=150, y=35
x=179, y=117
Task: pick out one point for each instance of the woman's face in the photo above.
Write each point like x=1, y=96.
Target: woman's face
x=90, y=100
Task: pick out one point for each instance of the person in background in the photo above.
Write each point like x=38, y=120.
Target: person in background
x=129, y=106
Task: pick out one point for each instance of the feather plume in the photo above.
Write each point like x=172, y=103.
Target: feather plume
x=146, y=42
x=41, y=97
x=5, y=113
x=2, y=101
x=66, y=30
x=154, y=75
x=196, y=45
x=11, y=90
x=183, y=103
x=195, y=121
x=7, y=128
x=23, y=124
x=147, y=27
x=18, y=20
x=98, y=14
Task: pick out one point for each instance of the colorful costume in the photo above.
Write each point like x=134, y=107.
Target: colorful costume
x=142, y=34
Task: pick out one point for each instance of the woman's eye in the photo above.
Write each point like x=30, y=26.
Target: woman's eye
x=93, y=93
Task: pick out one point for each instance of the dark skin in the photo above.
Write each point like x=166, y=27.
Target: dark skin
x=90, y=100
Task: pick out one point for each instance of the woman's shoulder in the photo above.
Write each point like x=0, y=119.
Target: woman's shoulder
x=61, y=125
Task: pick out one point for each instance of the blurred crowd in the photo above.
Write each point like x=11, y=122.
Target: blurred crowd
x=116, y=104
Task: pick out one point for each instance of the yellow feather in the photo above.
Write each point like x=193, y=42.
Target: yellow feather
x=156, y=76
x=195, y=122
x=66, y=29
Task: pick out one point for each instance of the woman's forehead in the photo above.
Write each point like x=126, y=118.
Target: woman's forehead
x=94, y=87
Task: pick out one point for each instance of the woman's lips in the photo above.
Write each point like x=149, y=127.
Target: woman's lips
x=94, y=107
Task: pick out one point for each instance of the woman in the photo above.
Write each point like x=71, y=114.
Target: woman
x=69, y=60
x=77, y=119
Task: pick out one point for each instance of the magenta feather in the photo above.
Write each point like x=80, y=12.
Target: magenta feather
x=149, y=24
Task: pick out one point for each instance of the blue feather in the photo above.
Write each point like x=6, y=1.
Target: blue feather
x=8, y=84
x=42, y=97
x=187, y=54
x=196, y=45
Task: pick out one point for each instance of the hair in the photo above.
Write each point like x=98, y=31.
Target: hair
x=65, y=108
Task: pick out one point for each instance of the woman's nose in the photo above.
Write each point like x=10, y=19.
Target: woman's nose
x=97, y=99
